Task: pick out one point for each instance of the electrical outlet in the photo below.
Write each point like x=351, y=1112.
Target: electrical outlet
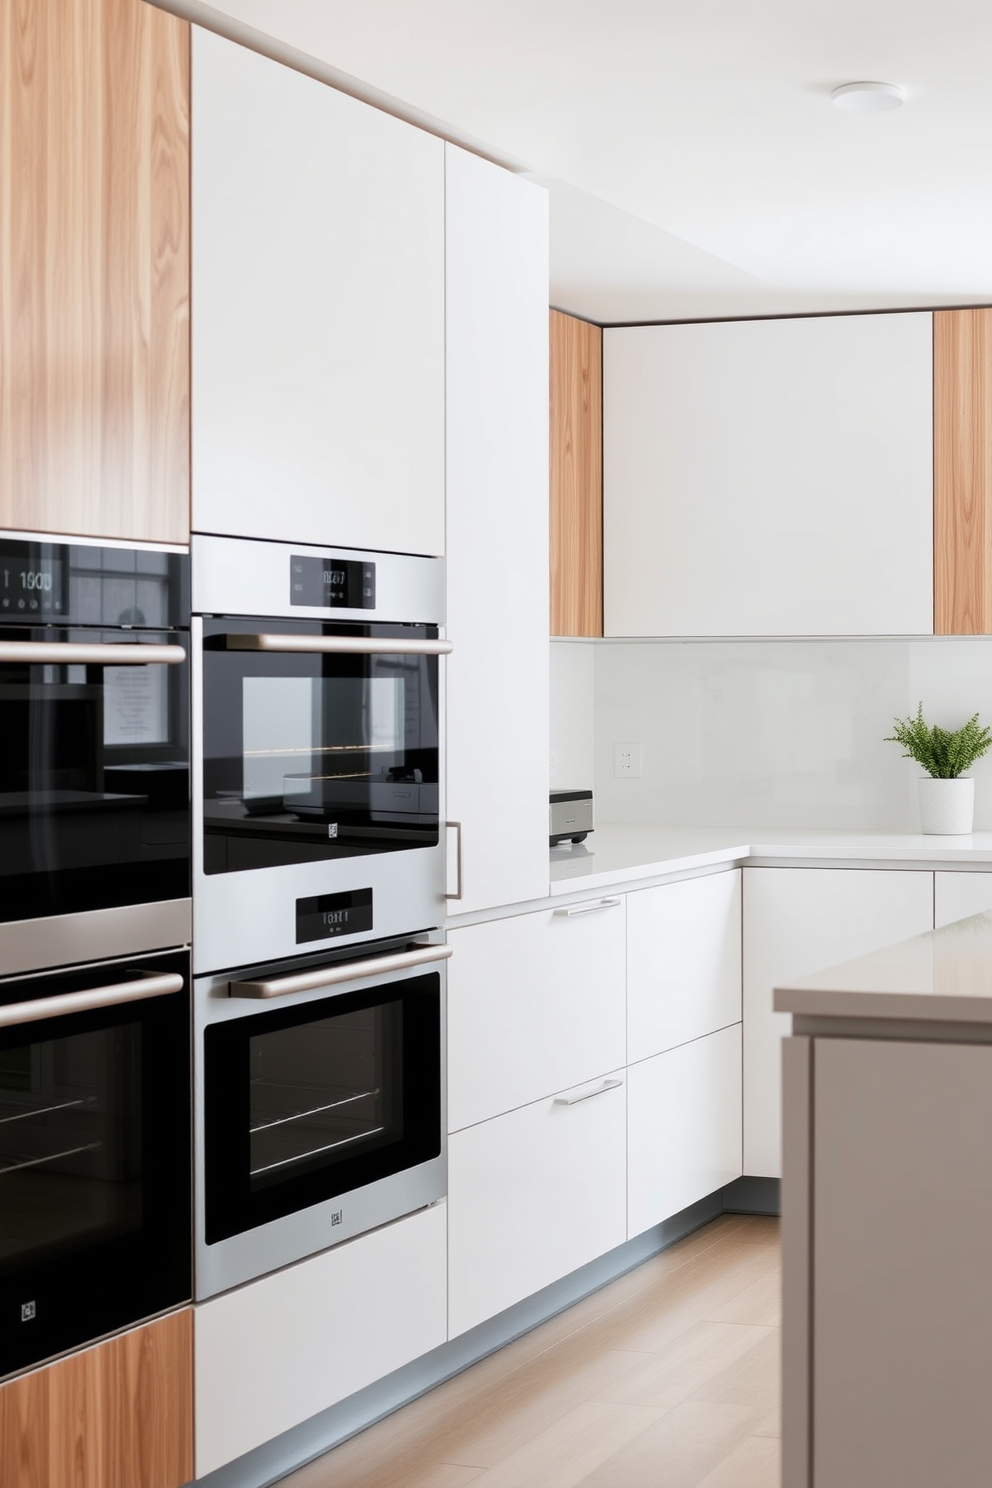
x=627, y=761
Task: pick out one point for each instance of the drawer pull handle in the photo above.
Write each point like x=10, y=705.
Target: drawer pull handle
x=569, y=911
x=573, y=1100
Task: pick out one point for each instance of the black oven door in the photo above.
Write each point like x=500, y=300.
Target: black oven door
x=94, y=1152
x=320, y=741
x=305, y=1103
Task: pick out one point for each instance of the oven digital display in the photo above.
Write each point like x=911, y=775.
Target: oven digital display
x=328, y=915
x=31, y=585
x=331, y=583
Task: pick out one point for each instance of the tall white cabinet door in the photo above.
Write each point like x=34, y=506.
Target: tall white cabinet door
x=797, y=921
x=683, y=962
x=683, y=1127
x=535, y=1004
x=318, y=334
x=533, y=1195
x=769, y=477
x=957, y=895
x=497, y=530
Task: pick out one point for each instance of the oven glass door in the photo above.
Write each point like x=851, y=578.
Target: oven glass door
x=94, y=1157
x=312, y=754
x=305, y=1103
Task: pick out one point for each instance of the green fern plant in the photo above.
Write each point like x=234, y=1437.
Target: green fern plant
x=943, y=754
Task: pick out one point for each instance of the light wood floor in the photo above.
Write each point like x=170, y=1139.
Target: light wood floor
x=668, y=1378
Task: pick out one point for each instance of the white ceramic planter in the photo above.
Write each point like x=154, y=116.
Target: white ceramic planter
x=947, y=807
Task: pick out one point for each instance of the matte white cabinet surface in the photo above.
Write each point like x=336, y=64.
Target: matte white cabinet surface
x=533, y=1195
x=797, y=921
x=535, y=1004
x=274, y=1352
x=318, y=333
x=683, y=1127
x=957, y=895
x=769, y=477
x=683, y=962
x=497, y=531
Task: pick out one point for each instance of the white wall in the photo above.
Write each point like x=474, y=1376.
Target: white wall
x=572, y=719
x=780, y=733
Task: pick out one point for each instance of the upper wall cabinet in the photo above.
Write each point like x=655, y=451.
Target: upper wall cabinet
x=318, y=281
x=576, y=477
x=94, y=269
x=769, y=477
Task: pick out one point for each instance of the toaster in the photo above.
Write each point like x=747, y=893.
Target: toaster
x=570, y=815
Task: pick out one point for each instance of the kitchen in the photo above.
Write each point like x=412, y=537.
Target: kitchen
x=418, y=436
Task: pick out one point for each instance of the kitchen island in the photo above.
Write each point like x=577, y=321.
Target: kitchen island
x=887, y=1216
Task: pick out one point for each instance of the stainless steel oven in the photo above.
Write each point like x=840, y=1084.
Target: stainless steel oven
x=94, y=750
x=318, y=754
x=319, y=1098
x=95, y=1152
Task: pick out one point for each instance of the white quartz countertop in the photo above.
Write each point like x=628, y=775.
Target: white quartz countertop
x=945, y=976
x=613, y=855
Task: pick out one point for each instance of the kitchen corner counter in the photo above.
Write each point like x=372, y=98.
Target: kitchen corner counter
x=617, y=854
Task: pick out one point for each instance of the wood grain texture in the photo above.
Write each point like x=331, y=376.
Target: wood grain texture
x=962, y=471
x=94, y=269
x=119, y=1415
x=576, y=477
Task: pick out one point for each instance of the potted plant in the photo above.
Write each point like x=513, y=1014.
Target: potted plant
x=947, y=797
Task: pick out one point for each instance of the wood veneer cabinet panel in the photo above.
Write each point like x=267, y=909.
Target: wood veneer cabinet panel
x=116, y=1416
x=576, y=477
x=94, y=269
x=962, y=456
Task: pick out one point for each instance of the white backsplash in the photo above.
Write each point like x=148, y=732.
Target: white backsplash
x=771, y=733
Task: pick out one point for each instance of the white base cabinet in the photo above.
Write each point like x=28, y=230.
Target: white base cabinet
x=535, y=1005
x=277, y=1351
x=533, y=1195
x=683, y=1127
x=797, y=921
x=957, y=895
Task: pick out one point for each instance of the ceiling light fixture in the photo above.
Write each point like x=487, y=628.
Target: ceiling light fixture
x=868, y=98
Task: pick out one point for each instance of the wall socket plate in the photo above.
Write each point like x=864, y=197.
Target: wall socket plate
x=628, y=761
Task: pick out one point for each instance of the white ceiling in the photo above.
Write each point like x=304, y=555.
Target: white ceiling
x=695, y=163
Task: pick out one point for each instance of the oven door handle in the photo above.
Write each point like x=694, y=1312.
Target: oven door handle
x=338, y=645
x=92, y=653
x=65, y=1003
x=347, y=971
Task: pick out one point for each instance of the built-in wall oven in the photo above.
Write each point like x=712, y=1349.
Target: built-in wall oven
x=319, y=1095
x=94, y=751
x=317, y=748
x=94, y=1152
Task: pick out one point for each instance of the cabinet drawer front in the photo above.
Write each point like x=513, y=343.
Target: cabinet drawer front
x=683, y=962
x=684, y=1118
x=957, y=895
x=533, y=1195
x=279, y=1350
x=535, y=1004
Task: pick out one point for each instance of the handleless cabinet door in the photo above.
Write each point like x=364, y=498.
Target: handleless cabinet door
x=957, y=895
x=535, y=1004
x=318, y=279
x=769, y=477
x=797, y=921
x=533, y=1195
x=497, y=531
x=683, y=962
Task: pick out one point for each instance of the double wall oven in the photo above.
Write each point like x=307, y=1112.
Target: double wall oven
x=95, y=1130
x=318, y=893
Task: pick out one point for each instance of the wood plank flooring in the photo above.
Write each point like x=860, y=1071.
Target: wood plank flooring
x=667, y=1378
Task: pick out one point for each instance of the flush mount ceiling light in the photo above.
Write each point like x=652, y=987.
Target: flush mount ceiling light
x=868, y=98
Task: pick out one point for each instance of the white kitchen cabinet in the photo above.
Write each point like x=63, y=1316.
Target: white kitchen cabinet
x=273, y=1353
x=797, y=921
x=535, y=1004
x=497, y=532
x=683, y=962
x=318, y=334
x=957, y=895
x=683, y=1127
x=533, y=1195
x=769, y=477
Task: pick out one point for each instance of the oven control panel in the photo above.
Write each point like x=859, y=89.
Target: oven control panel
x=331, y=583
